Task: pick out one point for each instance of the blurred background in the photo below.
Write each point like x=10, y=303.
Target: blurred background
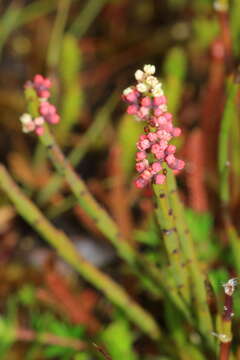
x=90, y=49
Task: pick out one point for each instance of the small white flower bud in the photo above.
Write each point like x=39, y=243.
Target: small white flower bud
x=149, y=69
x=152, y=81
x=157, y=90
x=25, y=118
x=127, y=91
x=139, y=75
x=28, y=127
x=142, y=87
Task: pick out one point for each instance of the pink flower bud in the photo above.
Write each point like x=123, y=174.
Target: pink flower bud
x=176, y=131
x=45, y=94
x=168, y=116
x=146, y=101
x=164, y=135
x=156, y=167
x=143, y=145
x=132, y=109
x=160, y=179
x=39, y=130
x=158, y=112
x=159, y=155
x=140, y=155
x=140, y=183
x=180, y=164
x=171, y=149
x=141, y=165
x=155, y=148
x=143, y=111
x=152, y=137
x=170, y=159
x=47, y=82
x=146, y=174
x=54, y=119
x=163, y=145
x=159, y=100
x=38, y=79
x=131, y=97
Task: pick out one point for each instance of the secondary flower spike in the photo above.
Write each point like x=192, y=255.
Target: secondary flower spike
x=46, y=111
x=146, y=101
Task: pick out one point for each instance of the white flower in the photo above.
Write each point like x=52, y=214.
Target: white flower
x=149, y=69
x=152, y=81
x=163, y=107
x=127, y=91
x=28, y=127
x=139, y=75
x=157, y=90
x=142, y=87
x=25, y=118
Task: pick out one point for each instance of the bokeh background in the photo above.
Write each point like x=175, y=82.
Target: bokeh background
x=90, y=49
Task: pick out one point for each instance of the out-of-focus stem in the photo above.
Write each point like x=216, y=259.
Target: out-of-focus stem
x=223, y=151
x=49, y=339
x=67, y=251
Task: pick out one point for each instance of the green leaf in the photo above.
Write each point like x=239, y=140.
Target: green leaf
x=72, y=96
x=118, y=339
x=201, y=227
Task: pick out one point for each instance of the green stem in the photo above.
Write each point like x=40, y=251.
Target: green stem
x=171, y=239
x=78, y=152
x=223, y=152
x=187, y=244
x=57, y=32
x=67, y=251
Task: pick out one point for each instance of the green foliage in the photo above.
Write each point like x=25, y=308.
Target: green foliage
x=206, y=30
x=175, y=68
x=128, y=134
x=72, y=97
x=118, y=339
x=201, y=227
x=48, y=323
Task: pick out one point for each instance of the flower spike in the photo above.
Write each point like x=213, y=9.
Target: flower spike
x=146, y=101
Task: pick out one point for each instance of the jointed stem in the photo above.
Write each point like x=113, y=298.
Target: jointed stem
x=198, y=286
x=171, y=239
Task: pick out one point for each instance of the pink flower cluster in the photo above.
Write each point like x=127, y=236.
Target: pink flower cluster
x=47, y=111
x=146, y=101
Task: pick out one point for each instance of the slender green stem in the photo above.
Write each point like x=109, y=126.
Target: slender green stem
x=87, y=16
x=223, y=152
x=171, y=239
x=67, y=251
x=57, y=32
x=78, y=152
x=187, y=244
